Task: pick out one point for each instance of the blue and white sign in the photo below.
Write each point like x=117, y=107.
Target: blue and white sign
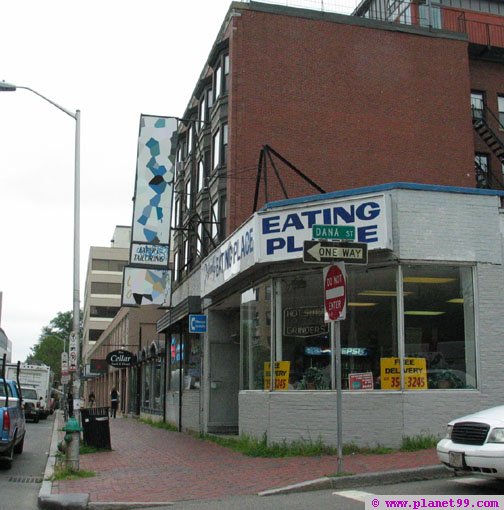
x=281, y=233
x=198, y=323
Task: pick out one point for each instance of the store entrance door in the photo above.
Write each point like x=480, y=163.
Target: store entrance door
x=224, y=387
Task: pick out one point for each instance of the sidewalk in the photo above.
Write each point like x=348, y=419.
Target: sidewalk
x=158, y=466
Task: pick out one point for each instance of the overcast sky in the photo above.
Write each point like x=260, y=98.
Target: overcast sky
x=113, y=60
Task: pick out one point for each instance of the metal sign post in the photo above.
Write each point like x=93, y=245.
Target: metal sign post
x=335, y=309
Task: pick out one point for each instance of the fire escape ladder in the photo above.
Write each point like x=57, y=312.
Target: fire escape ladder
x=492, y=140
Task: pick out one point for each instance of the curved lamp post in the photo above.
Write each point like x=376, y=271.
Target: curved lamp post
x=9, y=87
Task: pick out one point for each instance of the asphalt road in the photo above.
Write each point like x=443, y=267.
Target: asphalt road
x=20, y=485
x=347, y=499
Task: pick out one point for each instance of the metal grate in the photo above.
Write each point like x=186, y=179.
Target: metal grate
x=26, y=479
x=470, y=433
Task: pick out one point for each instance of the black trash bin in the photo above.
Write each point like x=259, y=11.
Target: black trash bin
x=96, y=427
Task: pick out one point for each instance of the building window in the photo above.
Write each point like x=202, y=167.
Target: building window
x=201, y=174
x=186, y=255
x=188, y=195
x=216, y=150
x=108, y=265
x=176, y=265
x=215, y=219
x=199, y=240
x=226, y=73
x=500, y=102
x=217, y=82
x=176, y=213
x=482, y=167
x=477, y=104
x=94, y=334
x=108, y=312
x=224, y=143
x=105, y=288
x=203, y=108
x=190, y=140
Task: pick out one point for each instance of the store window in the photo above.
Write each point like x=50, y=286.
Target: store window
x=439, y=323
x=255, y=336
x=436, y=333
x=187, y=351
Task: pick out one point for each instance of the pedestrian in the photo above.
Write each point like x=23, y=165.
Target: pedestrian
x=91, y=399
x=114, y=401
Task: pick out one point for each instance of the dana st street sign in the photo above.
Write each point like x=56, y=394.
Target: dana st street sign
x=333, y=232
x=316, y=252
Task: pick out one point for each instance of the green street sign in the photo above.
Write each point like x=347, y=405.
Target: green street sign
x=346, y=233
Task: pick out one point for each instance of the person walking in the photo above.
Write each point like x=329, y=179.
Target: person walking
x=114, y=401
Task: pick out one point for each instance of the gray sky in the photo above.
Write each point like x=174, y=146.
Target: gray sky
x=113, y=60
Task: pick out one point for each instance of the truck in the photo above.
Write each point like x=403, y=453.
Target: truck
x=39, y=376
x=12, y=419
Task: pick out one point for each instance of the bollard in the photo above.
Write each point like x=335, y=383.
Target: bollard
x=72, y=440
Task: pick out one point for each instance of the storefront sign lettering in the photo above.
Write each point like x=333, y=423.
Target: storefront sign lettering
x=119, y=359
x=282, y=371
x=415, y=374
x=305, y=321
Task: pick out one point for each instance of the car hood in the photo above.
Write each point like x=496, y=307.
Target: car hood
x=493, y=417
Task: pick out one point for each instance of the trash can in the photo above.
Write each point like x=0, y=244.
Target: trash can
x=96, y=427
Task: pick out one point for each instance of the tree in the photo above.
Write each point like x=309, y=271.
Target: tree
x=50, y=343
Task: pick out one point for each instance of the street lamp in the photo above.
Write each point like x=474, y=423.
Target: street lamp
x=9, y=87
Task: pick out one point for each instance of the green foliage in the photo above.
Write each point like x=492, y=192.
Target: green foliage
x=65, y=473
x=84, y=449
x=260, y=448
x=415, y=443
x=49, y=346
x=159, y=424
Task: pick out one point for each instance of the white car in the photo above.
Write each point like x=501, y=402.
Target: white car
x=475, y=443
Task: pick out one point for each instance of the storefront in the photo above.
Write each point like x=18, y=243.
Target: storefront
x=424, y=318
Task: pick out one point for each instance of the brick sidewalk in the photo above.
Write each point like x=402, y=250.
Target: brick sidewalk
x=154, y=465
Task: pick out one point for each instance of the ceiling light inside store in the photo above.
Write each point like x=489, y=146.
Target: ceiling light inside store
x=426, y=279
x=423, y=312
x=361, y=304
x=456, y=300
x=384, y=293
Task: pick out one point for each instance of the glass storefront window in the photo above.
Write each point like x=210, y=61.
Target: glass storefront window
x=255, y=335
x=439, y=323
x=436, y=334
x=369, y=332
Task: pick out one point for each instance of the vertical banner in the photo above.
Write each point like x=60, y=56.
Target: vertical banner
x=153, y=191
x=147, y=280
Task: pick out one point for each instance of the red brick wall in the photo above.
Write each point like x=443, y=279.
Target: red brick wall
x=349, y=106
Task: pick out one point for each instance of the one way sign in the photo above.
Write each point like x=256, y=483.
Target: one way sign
x=316, y=252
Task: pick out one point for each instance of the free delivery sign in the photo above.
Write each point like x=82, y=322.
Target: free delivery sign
x=283, y=232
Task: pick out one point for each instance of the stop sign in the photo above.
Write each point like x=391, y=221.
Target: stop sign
x=335, y=292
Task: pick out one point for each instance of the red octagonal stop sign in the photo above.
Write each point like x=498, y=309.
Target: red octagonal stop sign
x=335, y=292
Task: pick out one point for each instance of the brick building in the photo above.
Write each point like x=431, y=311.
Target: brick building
x=292, y=103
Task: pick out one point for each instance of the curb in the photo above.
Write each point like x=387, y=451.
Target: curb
x=379, y=478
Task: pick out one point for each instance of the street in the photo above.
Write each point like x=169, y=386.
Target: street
x=348, y=499
x=20, y=485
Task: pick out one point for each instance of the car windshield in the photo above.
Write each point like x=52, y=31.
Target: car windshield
x=29, y=393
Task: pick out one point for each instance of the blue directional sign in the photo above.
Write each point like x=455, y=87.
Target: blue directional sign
x=198, y=323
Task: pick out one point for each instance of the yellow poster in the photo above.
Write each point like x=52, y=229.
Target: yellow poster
x=282, y=369
x=415, y=374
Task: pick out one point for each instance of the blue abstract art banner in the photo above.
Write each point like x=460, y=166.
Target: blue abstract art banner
x=154, y=183
x=143, y=286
